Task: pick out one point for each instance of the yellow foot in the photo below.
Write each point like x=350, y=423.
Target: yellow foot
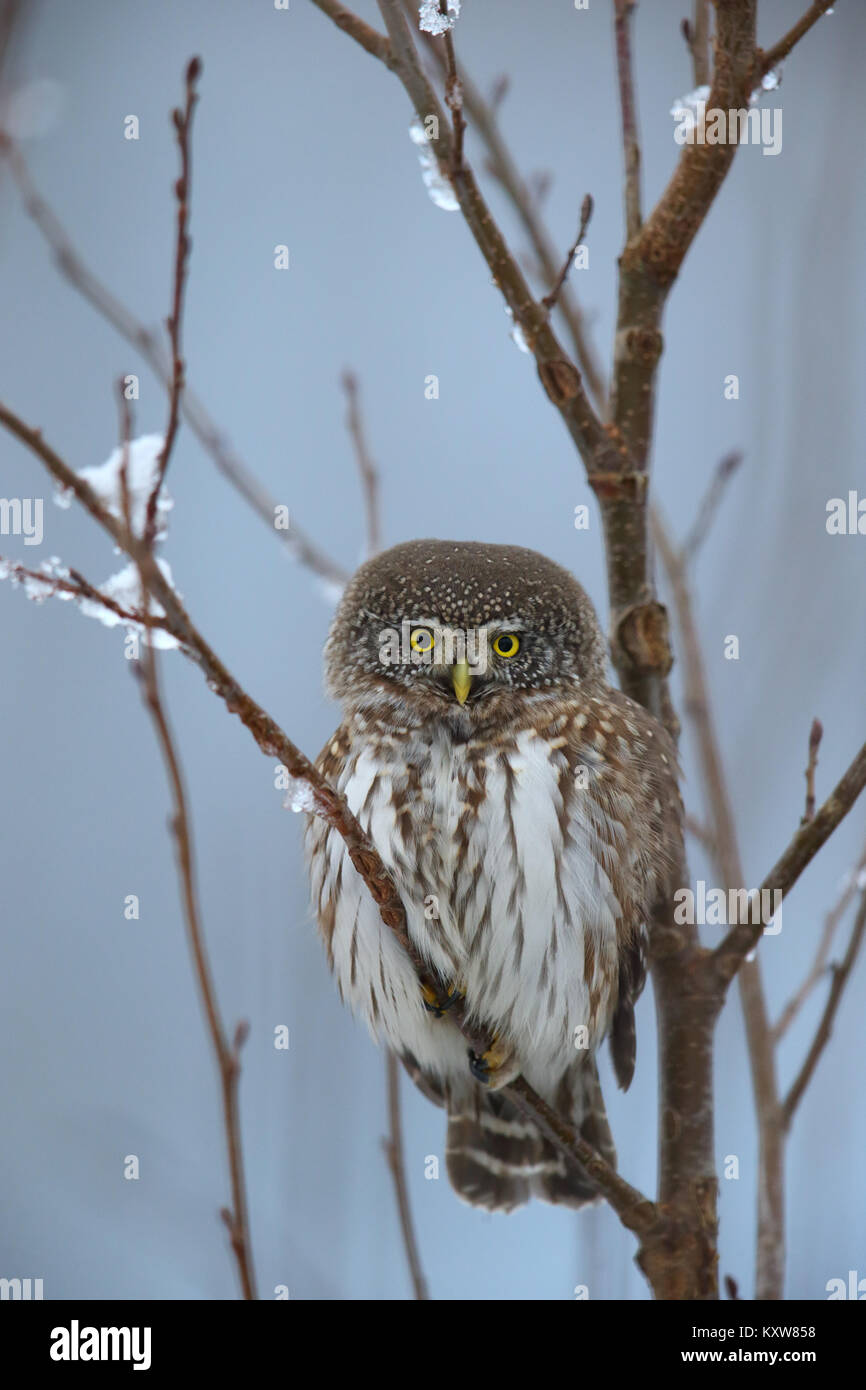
x=495, y=1067
x=438, y=1004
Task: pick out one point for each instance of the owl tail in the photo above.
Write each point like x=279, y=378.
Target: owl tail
x=498, y=1159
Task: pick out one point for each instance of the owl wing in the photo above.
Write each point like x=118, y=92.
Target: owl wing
x=631, y=765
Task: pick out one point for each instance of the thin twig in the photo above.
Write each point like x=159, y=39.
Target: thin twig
x=182, y=120
x=395, y=1155
x=701, y=832
x=393, y=1144
x=623, y=13
x=586, y=207
x=709, y=506
x=805, y=844
x=816, y=733
x=841, y=974
x=770, y=57
x=109, y=307
x=819, y=965
x=227, y=1055
x=453, y=96
x=501, y=166
x=697, y=35
x=366, y=467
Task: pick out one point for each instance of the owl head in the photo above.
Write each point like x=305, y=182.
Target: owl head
x=445, y=628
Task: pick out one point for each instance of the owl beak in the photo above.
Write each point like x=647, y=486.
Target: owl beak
x=461, y=680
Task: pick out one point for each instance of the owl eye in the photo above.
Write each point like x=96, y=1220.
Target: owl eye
x=507, y=644
x=421, y=640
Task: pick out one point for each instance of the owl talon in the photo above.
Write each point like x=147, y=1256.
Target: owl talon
x=438, y=1004
x=488, y=1067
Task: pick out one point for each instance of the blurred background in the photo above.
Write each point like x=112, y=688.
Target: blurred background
x=302, y=139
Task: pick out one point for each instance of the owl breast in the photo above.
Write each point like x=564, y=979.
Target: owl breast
x=504, y=854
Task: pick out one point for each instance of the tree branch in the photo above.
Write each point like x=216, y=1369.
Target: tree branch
x=393, y=1147
x=819, y=964
x=769, y=59
x=183, y=125
x=697, y=36
x=501, y=166
x=841, y=975
x=743, y=938
x=623, y=15
x=366, y=467
x=113, y=311
x=586, y=206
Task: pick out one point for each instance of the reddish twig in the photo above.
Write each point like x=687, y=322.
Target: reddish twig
x=227, y=1055
x=816, y=733
x=586, y=207
x=182, y=120
x=453, y=97
x=109, y=307
x=524, y=199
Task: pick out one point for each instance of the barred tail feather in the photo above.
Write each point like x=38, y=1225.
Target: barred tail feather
x=498, y=1159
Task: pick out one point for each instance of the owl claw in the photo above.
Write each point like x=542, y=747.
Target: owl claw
x=493, y=1067
x=437, y=1004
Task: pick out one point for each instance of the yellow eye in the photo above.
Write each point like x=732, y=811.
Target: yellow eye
x=421, y=640
x=507, y=644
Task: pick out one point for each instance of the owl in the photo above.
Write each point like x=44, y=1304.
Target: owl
x=529, y=815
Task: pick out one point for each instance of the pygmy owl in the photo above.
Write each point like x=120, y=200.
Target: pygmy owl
x=529, y=815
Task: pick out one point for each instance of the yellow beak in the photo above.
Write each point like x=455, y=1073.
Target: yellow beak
x=461, y=680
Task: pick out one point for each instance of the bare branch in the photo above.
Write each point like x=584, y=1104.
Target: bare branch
x=697, y=36
x=366, y=466
x=358, y=29
x=453, y=95
x=586, y=207
x=623, y=13
x=700, y=832
x=819, y=964
x=110, y=308
x=841, y=975
x=227, y=1056
x=769, y=59
x=525, y=199
x=601, y=450
x=743, y=938
x=393, y=1147
x=816, y=733
x=182, y=120
x=709, y=506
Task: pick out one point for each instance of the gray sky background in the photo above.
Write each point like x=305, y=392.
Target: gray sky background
x=301, y=138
